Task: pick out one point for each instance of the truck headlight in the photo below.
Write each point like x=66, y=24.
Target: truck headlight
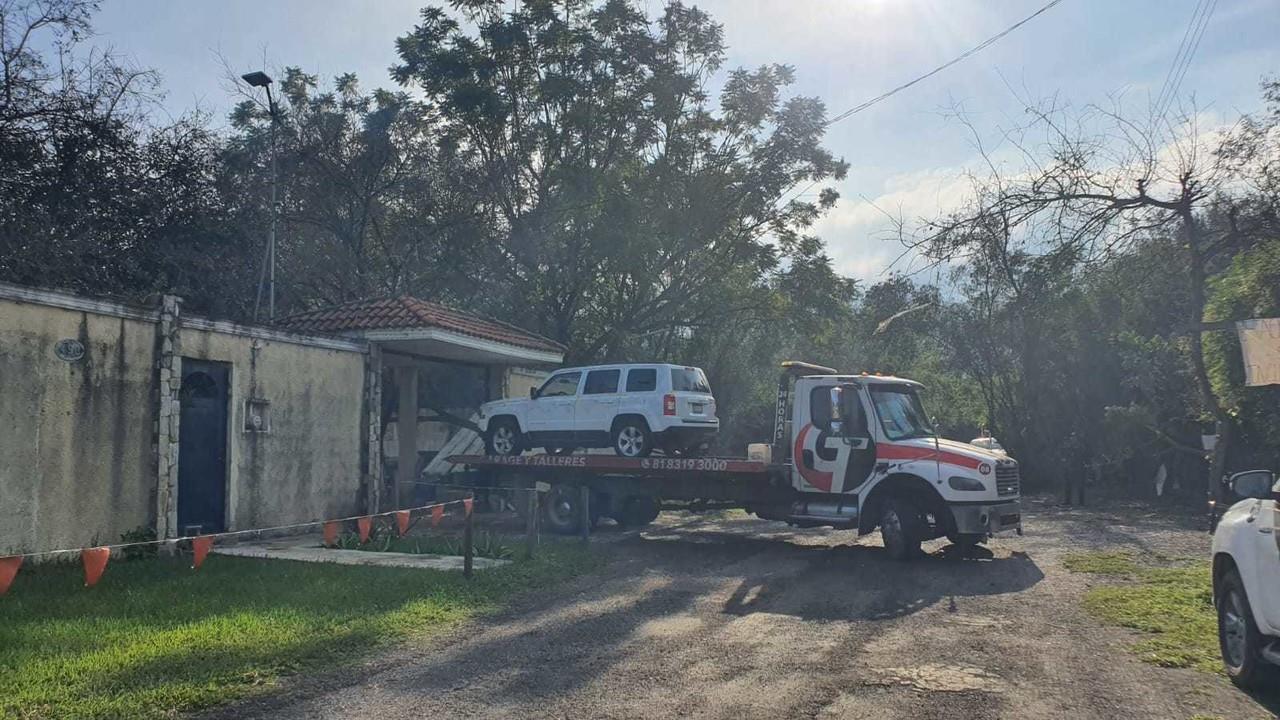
x=965, y=483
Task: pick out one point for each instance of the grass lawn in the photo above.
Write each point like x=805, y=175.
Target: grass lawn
x=1172, y=605
x=155, y=637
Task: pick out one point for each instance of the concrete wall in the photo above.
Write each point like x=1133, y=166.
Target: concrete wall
x=76, y=461
x=307, y=465
x=80, y=439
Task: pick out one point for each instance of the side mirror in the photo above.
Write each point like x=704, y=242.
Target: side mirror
x=533, y=393
x=1256, y=484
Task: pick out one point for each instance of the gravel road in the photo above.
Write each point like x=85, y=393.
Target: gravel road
x=732, y=617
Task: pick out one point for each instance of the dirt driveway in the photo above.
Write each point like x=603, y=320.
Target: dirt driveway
x=739, y=618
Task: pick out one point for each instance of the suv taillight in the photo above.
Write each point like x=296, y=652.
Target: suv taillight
x=668, y=404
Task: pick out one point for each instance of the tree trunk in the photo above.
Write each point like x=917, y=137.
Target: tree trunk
x=1217, y=464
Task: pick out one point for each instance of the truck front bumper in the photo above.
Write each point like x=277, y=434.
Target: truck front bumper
x=983, y=519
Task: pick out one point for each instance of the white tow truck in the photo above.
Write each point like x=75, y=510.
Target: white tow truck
x=1246, y=578
x=848, y=451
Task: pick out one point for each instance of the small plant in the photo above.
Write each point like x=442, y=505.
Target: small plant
x=141, y=534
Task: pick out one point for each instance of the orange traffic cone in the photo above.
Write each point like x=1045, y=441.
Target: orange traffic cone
x=466, y=506
x=402, y=522
x=8, y=570
x=95, y=562
x=200, y=547
x=364, y=524
x=331, y=533
x=437, y=514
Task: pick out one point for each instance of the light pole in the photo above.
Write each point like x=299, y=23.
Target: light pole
x=268, y=272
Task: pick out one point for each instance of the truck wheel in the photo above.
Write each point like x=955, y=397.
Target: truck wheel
x=631, y=438
x=900, y=529
x=504, y=438
x=637, y=510
x=562, y=510
x=1238, y=636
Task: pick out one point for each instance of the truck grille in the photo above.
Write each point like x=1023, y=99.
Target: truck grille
x=1007, y=480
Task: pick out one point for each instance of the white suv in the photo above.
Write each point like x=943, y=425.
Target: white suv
x=632, y=408
x=1246, y=578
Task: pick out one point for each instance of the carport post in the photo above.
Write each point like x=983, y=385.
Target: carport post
x=531, y=521
x=585, y=521
x=468, y=545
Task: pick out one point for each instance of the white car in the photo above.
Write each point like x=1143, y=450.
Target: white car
x=632, y=408
x=1246, y=578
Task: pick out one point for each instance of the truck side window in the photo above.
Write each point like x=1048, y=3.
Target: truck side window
x=642, y=380
x=601, y=382
x=820, y=409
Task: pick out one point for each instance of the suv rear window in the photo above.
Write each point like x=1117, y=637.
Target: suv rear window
x=689, y=380
x=601, y=382
x=642, y=380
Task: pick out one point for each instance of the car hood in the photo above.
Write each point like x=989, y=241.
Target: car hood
x=493, y=407
x=959, y=448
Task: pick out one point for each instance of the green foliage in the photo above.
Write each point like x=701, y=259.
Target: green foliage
x=155, y=638
x=484, y=543
x=1172, y=606
x=140, y=534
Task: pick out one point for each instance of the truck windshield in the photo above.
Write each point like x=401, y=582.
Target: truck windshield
x=900, y=412
x=689, y=379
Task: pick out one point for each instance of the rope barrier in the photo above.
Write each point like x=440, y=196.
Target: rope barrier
x=233, y=533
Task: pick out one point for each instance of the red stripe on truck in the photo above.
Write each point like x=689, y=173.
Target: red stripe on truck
x=887, y=451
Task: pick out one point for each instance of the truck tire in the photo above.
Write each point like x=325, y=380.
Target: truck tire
x=503, y=438
x=1238, y=635
x=637, y=511
x=561, y=510
x=900, y=529
x=631, y=438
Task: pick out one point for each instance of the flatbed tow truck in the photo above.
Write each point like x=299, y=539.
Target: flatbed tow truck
x=848, y=451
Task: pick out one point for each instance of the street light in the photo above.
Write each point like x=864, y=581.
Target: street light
x=260, y=79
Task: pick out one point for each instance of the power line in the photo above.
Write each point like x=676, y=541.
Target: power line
x=1198, y=35
x=1183, y=44
x=972, y=51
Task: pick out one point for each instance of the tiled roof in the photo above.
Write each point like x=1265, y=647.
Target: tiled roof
x=408, y=313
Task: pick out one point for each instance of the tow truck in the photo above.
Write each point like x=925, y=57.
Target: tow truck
x=848, y=451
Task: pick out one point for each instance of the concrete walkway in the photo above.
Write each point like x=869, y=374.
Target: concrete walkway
x=309, y=550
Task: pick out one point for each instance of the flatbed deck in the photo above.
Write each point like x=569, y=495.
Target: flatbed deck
x=612, y=464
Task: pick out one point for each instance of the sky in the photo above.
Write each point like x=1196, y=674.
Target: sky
x=906, y=154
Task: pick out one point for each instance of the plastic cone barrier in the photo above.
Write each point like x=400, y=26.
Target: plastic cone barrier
x=331, y=533
x=8, y=570
x=200, y=547
x=466, y=506
x=364, y=524
x=402, y=522
x=437, y=514
x=95, y=561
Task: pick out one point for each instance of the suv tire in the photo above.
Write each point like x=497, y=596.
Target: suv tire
x=900, y=529
x=503, y=438
x=1238, y=635
x=631, y=438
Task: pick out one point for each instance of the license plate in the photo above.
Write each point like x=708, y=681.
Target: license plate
x=696, y=408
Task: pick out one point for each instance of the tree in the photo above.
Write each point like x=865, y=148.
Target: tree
x=622, y=206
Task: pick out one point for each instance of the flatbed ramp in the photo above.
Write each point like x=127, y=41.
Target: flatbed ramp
x=614, y=465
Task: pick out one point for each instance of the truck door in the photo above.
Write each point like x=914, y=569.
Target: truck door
x=834, y=451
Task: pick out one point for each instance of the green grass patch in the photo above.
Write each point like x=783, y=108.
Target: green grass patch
x=1173, y=606
x=484, y=544
x=156, y=637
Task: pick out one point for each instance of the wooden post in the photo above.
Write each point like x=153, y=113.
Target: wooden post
x=585, y=520
x=531, y=521
x=468, y=545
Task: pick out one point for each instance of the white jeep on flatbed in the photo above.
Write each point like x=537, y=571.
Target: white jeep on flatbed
x=1246, y=578
x=633, y=408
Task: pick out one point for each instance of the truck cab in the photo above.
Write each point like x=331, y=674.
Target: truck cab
x=861, y=452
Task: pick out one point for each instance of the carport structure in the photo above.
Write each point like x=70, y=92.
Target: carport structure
x=429, y=357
